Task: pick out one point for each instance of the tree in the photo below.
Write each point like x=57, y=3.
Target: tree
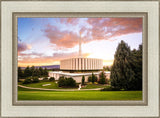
x=136, y=64
x=121, y=73
x=41, y=71
x=92, y=78
x=83, y=80
x=45, y=72
x=27, y=72
x=51, y=79
x=102, y=78
x=32, y=69
x=36, y=73
x=107, y=68
x=20, y=73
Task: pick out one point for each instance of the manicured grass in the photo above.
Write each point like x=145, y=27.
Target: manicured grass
x=92, y=86
x=40, y=85
x=55, y=85
x=26, y=94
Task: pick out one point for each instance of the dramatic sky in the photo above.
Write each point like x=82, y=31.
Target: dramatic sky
x=45, y=41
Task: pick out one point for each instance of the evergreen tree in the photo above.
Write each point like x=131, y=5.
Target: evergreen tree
x=27, y=72
x=136, y=64
x=122, y=74
x=45, y=72
x=107, y=68
x=32, y=69
x=83, y=80
x=20, y=73
x=102, y=78
x=36, y=73
x=94, y=78
x=41, y=71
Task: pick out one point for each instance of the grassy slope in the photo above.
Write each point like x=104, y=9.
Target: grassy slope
x=39, y=85
x=25, y=94
x=90, y=86
x=55, y=85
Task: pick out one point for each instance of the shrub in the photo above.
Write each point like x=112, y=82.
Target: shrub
x=89, y=83
x=51, y=79
x=70, y=82
x=89, y=79
x=110, y=89
x=66, y=82
x=61, y=81
x=95, y=82
x=35, y=80
x=27, y=81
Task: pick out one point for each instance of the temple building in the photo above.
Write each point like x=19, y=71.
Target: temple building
x=76, y=76
x=79, y=66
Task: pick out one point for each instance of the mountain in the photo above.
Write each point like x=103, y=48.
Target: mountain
x=48, y=67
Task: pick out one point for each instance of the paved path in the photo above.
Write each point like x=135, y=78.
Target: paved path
x=58, y=89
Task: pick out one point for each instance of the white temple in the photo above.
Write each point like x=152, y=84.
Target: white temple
x=81, y=63
x=85, y=65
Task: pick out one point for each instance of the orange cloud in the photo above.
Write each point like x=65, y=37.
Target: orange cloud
x=111, y=27
x=61, y=38
x=101, y=29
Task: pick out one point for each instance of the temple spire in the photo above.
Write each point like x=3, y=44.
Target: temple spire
x=80, y=52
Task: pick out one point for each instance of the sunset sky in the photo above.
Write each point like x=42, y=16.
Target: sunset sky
x=45, y=41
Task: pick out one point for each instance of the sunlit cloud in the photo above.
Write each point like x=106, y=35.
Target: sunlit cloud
x=105, y=28
x=61, y=38
x=23, y=47
x=45, y=41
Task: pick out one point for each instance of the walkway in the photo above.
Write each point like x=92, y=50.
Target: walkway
x=58, y=89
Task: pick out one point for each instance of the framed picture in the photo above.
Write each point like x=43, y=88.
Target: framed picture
x=80, y=59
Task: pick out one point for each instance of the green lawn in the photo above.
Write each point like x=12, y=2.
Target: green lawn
x=26, y=94
x=90, y=86
x=40, y=85
x=55, y=85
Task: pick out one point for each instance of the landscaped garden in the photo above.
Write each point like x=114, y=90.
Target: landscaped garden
x=125, y=82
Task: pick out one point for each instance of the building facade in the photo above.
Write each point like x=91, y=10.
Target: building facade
x=81, y=64
x=76, y=76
